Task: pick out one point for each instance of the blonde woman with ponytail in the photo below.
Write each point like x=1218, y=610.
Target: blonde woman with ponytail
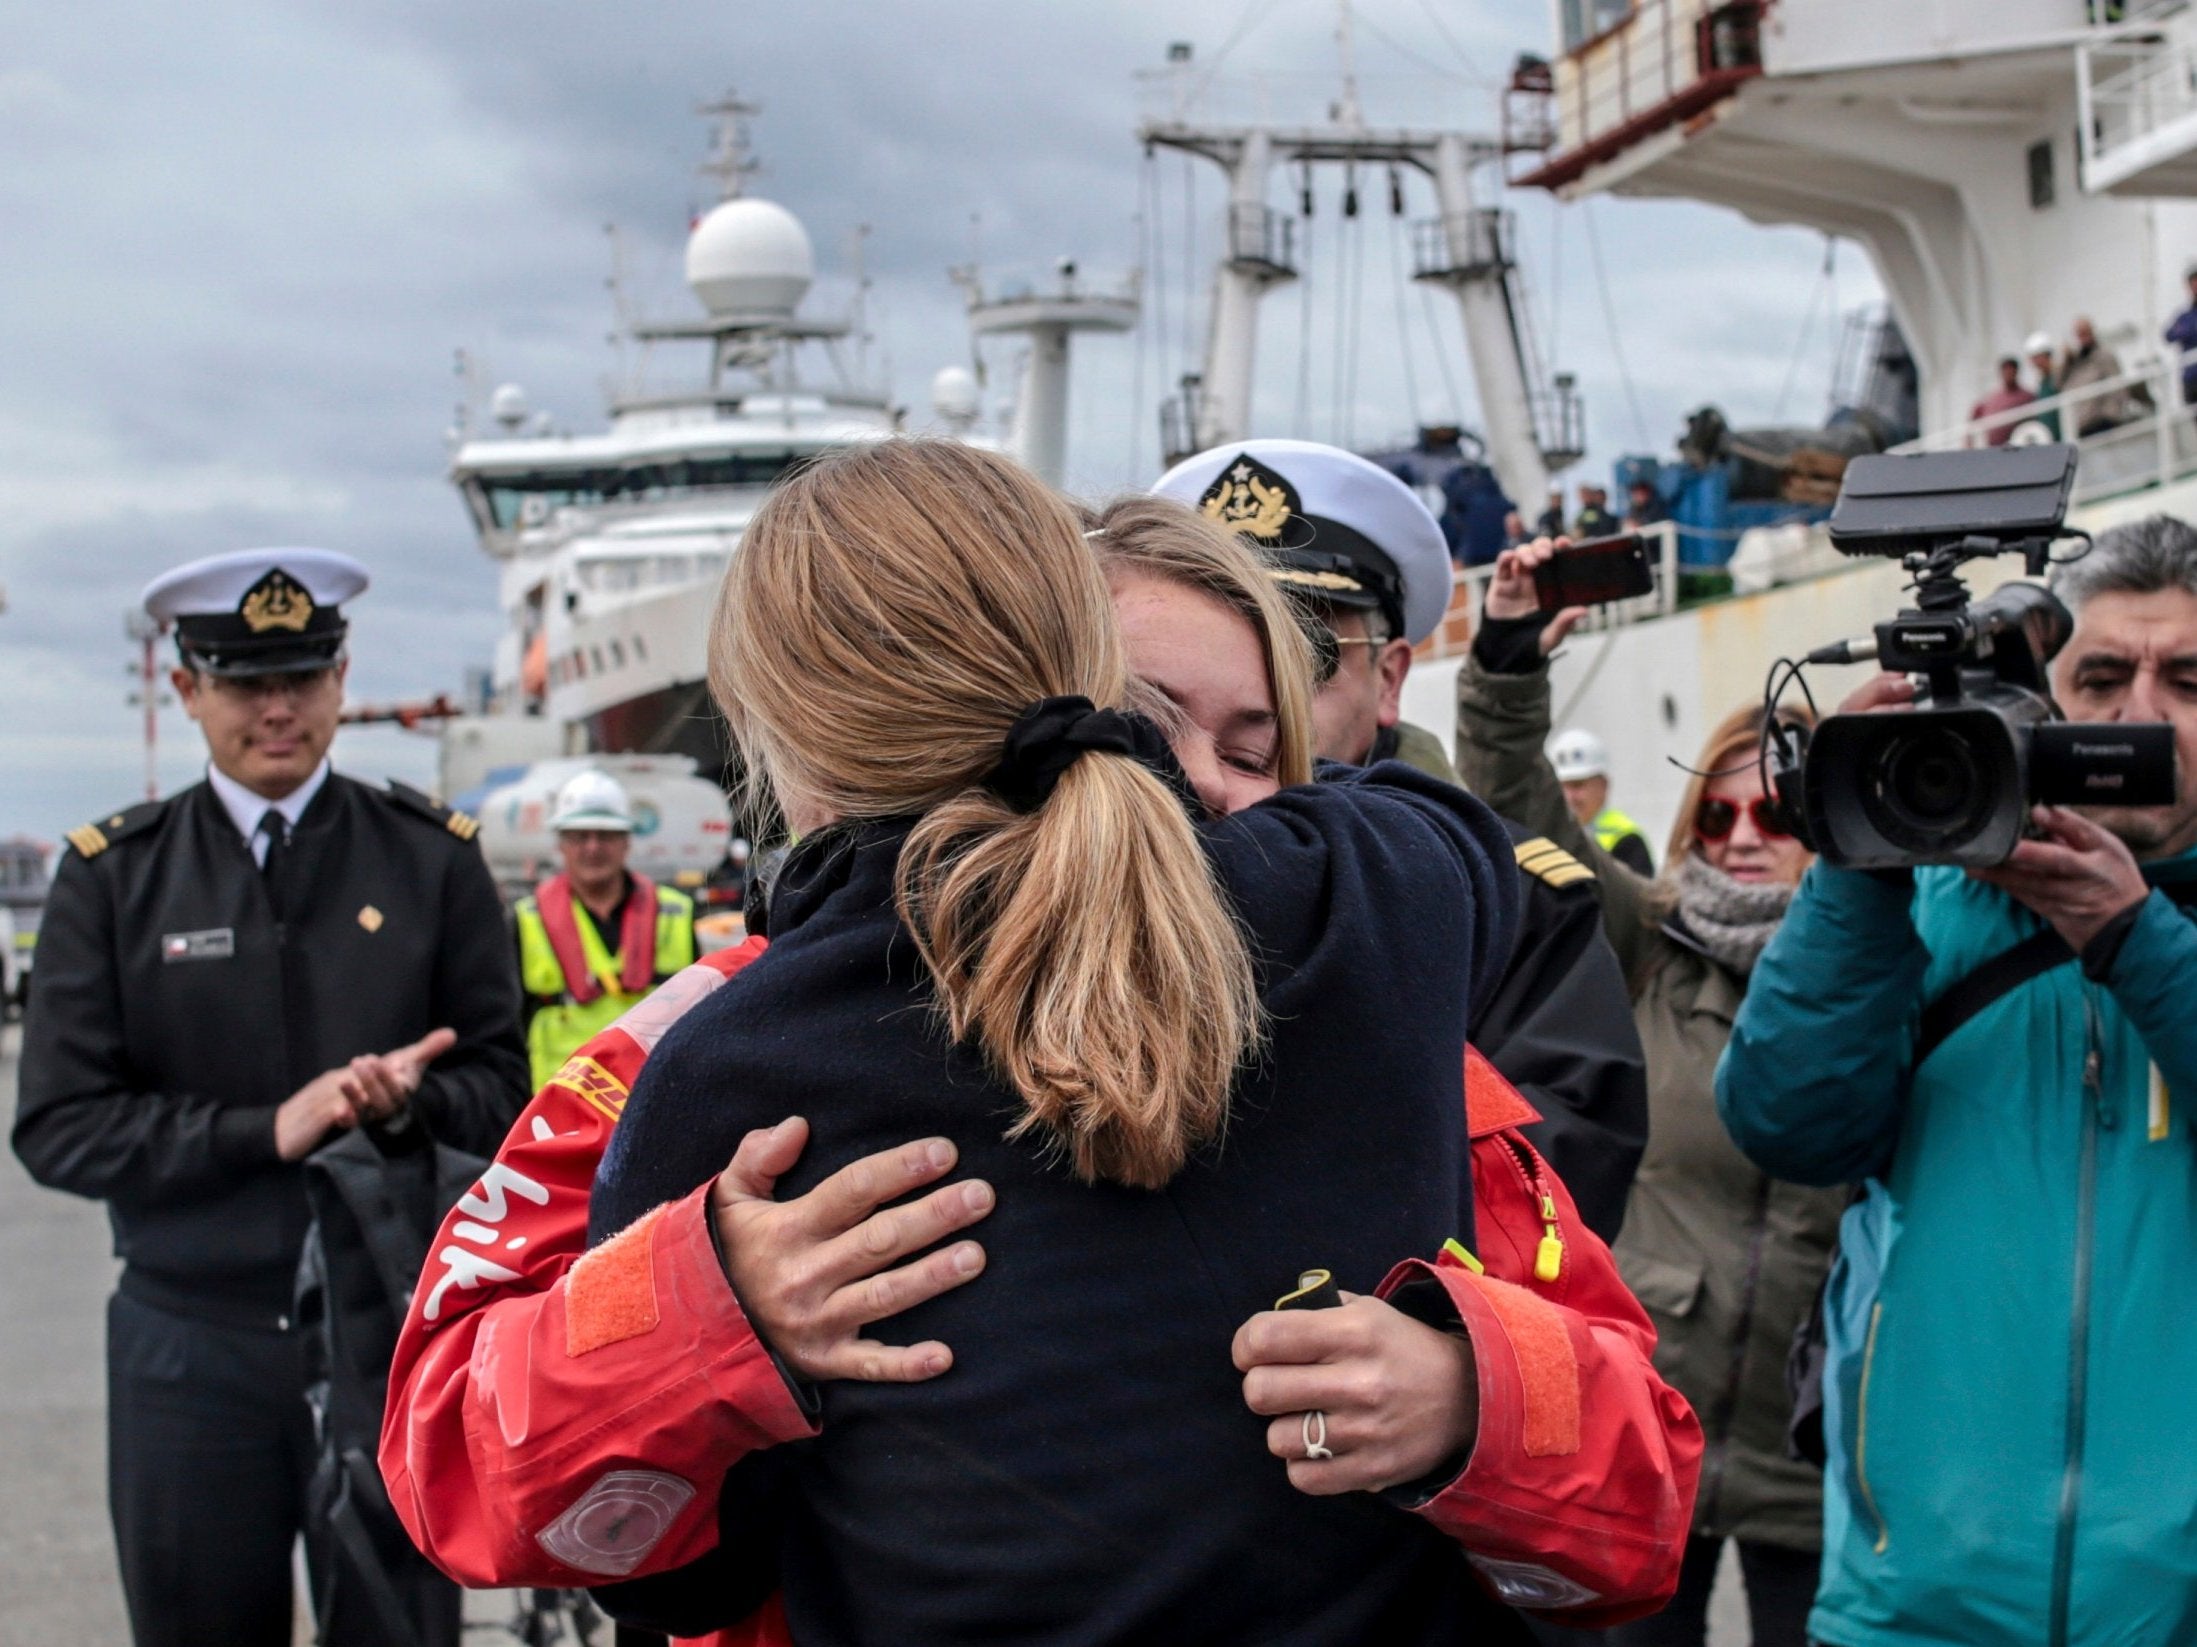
x=1174, y=1046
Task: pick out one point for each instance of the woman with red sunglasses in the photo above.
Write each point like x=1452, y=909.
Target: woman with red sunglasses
x=1726, y=1261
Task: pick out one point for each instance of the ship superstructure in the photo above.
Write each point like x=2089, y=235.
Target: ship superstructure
x=2009, y=166
x=612, y=543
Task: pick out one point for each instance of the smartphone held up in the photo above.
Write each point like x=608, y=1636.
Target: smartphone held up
x=1594, y=572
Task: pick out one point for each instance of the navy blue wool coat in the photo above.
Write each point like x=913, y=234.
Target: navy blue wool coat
x=1087, y=1471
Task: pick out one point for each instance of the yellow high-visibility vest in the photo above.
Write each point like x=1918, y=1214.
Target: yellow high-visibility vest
x=562, y=1024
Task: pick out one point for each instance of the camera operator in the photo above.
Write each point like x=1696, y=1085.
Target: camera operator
x=2013, y=1314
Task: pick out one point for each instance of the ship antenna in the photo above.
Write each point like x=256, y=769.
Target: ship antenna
x=862, y=337
x=730, y=160
x=1347, y=113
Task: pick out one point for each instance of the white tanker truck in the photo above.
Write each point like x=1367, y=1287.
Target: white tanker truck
x=682, y=824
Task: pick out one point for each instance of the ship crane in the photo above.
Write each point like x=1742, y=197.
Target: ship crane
x=1530, y=428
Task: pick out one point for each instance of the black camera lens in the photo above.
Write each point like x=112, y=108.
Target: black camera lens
x=1927, y=792
x=1930, y=777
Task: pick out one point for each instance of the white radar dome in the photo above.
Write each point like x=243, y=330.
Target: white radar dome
x=954, y=394
x=508, y=405
x=750, y=257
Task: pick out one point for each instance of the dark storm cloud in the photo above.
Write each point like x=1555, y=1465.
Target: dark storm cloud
x=245, y=240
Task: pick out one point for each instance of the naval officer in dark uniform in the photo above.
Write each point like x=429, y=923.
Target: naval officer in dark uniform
x=225, y=980
x=1367, y=563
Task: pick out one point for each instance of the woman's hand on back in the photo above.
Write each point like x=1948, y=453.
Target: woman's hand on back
x=1398, y=1398
x=814, y=1271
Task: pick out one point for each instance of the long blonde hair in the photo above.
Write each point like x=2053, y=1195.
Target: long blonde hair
x=891, y=611
x=1177, y=545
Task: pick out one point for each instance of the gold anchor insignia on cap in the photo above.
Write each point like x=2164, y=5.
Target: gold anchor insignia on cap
x=370, y=918
x=277, y=601
x=1250, y=499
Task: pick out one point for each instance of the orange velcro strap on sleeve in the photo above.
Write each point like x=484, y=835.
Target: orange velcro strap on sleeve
x=1491, y=1102
x=610, y=1295
x=1548, y=1368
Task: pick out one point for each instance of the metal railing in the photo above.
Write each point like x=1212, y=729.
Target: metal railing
x=1262, y=236
x=1559, y=421
x=2109, y=14
x=2132, y=89
x=1487, y=234
x=1649, y=58
x=2131, y=431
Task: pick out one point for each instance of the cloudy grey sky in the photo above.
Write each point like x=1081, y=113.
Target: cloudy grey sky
x=245, y=241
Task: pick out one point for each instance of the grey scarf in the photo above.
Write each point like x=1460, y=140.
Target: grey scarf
x=1731, y=920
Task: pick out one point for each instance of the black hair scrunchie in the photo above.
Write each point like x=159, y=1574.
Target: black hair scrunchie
x=1053, y=734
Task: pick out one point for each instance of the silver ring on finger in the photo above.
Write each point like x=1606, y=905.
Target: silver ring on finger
x=1315, y=1436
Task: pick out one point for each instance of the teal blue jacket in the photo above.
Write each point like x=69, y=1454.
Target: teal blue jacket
x=2011, y=1394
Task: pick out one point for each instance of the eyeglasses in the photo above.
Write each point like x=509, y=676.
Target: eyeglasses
x=299, y=684
x=1714, y=819
x=1327, y=649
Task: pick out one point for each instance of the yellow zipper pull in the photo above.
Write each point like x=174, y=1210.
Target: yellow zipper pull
x=1454, y=1250
x=1548, y=1257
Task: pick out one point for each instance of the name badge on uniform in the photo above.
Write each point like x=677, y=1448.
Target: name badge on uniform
x=214, y=944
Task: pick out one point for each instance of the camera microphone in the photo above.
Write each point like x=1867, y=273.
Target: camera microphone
x=1845, y=651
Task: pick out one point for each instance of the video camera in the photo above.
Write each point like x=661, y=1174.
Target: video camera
x=1951, y=781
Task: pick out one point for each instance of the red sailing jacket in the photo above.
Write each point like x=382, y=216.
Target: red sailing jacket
x=565, y=1420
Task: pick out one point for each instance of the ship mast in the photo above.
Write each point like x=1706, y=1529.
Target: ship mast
x=731, y=161
x=1467, y=249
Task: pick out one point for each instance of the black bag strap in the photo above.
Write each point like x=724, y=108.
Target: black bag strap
x=2035, y=955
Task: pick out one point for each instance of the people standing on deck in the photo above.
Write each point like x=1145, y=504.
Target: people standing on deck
x=2181, y=331
x=2089, y=362
x=1582, y=763
x=1550, y=522
x=227, y=979
x=2007, y=398
x=2038, y=349
x=1594, y=519
x=1644, y=505
x=1726, y=1259
x=595, y=937
x=1363, y=561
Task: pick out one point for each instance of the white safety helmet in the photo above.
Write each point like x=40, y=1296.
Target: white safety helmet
x=593, y=800
x=2040, y=343
x=1577, y=753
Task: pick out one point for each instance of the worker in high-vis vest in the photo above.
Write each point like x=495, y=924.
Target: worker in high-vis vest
x=596, y=937
x=1582, y=765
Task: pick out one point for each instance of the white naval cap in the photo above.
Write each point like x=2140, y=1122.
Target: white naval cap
x=1336, y=527
x=258, y=611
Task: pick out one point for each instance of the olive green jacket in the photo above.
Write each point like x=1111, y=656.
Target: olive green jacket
x=1726, y=1260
